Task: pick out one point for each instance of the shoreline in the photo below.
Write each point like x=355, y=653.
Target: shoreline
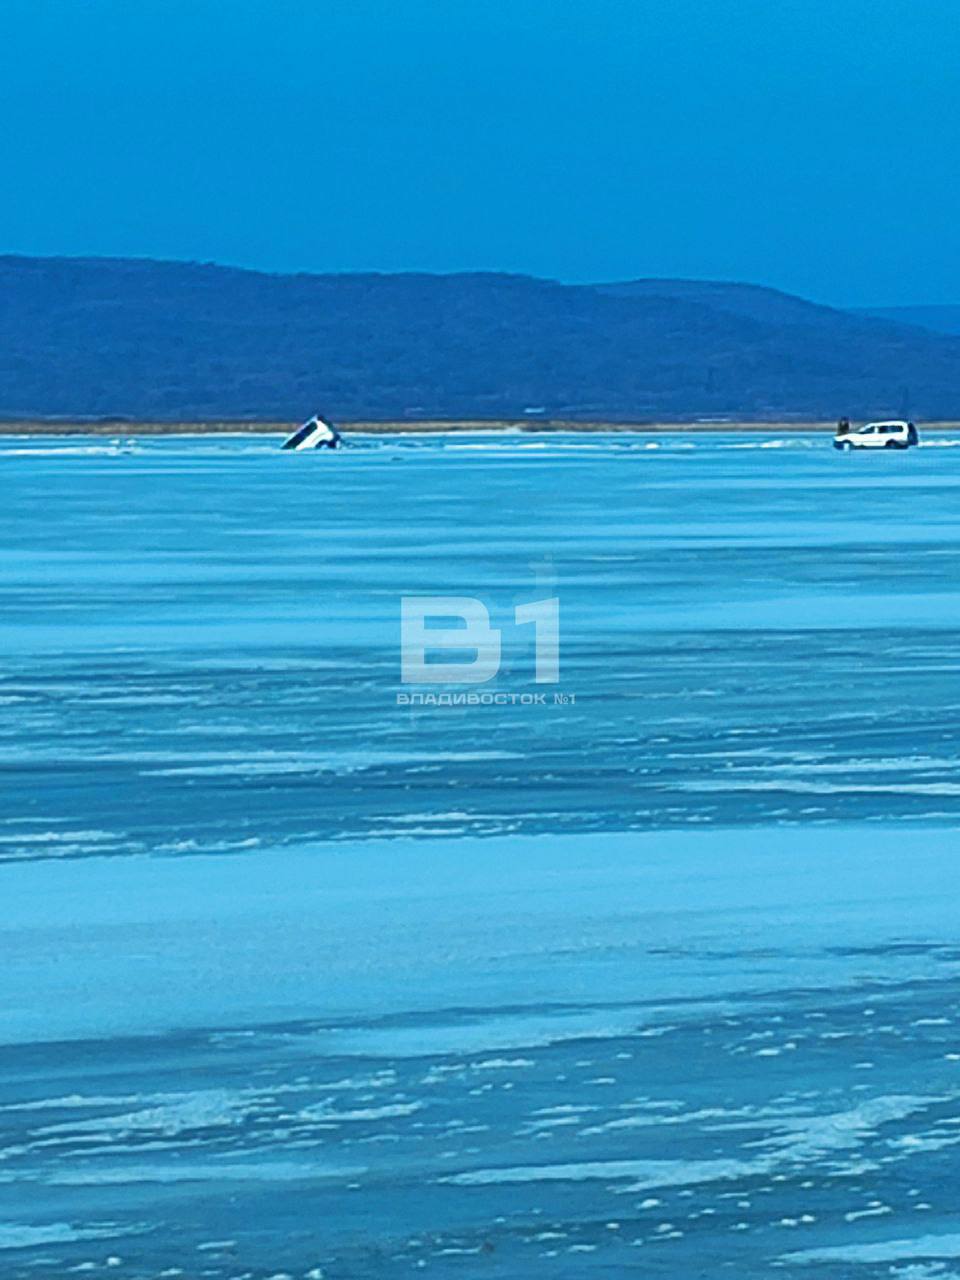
x=78, y=427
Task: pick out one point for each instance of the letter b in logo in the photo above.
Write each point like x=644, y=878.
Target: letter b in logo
x=476, y=636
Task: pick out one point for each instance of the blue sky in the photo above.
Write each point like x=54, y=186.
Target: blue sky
x=807, y=144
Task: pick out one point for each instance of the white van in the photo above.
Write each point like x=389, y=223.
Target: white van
x=877, y=435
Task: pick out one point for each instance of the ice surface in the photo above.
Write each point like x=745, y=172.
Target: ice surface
x=296, y=981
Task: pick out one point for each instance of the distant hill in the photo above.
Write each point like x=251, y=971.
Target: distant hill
x=752, y=300
x=168, y=340
x=938, y=319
